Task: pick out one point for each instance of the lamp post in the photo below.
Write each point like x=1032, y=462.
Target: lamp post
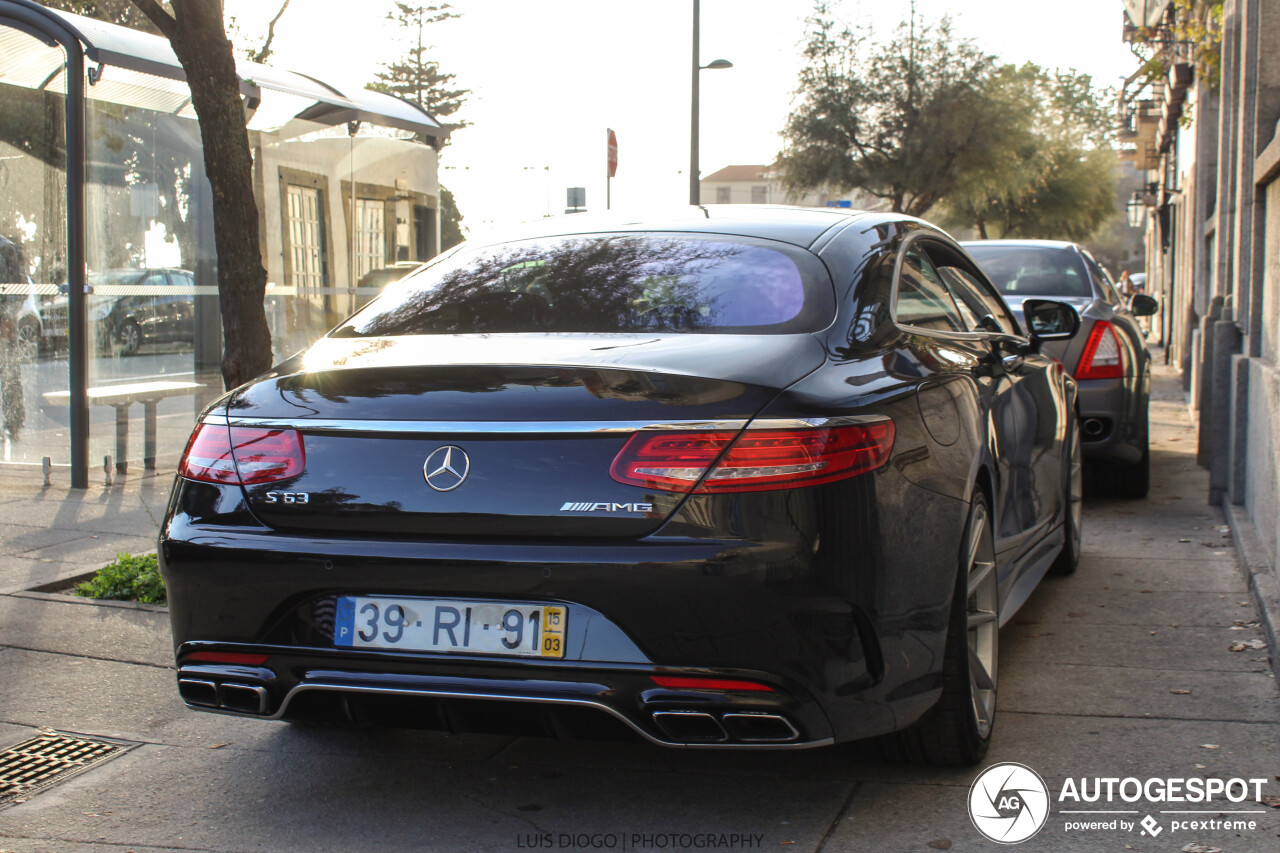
x=695, y=194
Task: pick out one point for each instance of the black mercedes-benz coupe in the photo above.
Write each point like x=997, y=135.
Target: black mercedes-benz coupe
x=737, y=477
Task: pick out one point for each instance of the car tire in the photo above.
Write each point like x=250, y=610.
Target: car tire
x=1117, y=480
x=27, y=341
x=957, y=731
x=1073, y=489
x=130, y=338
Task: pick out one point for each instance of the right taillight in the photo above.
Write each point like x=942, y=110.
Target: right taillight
x=242, y=455
x=1103, y=357
x=753, y=460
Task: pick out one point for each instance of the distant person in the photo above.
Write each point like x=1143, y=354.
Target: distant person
x=1126, y=285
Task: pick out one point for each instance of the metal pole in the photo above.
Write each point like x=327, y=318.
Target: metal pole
x=77, y=320
x=695, y=195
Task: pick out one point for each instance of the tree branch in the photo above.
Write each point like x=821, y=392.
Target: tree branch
x=265, y=53
x=164, y=22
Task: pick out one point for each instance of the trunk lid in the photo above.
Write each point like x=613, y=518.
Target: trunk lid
x=454, y=436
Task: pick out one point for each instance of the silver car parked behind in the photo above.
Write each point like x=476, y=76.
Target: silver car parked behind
x=1108, y=357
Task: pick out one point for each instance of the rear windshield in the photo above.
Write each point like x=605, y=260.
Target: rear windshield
x=1033, y=270
x=611, y=283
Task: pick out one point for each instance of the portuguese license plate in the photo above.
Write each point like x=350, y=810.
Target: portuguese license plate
x=447, y=625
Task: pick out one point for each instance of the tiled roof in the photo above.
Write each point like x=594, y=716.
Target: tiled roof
x=737, y=173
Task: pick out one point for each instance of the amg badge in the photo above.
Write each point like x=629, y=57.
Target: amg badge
x=574, y=506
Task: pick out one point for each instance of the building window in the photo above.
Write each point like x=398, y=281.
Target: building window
x=371, y=235
x=722, y=195
x=306, y=238
x=759, y=195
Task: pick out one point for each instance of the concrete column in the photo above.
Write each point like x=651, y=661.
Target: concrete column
x=1239, y=429
x=1226, y=343
x=1204, y=386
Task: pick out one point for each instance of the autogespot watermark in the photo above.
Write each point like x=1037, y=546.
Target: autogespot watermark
x=1009, y=803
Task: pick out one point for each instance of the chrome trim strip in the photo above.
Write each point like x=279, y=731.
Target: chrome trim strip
x=480, y=427
x=536, y=427
x=817, y=423
x=450, y=694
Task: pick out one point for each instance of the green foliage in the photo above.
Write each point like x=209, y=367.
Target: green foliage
x=122, y=12
x=416, y=77
x=451, y=232
x=1194, y=27
x=129, y=578
x=906, y=121
x=1056, y=180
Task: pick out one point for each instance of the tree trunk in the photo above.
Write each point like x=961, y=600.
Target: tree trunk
x=199, y=39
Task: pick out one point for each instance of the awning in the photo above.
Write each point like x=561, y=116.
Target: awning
x=141, y=70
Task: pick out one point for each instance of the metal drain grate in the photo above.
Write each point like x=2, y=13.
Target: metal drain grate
x=47, y=760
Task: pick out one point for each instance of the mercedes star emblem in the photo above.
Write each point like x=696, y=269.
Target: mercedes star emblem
x=446, y=468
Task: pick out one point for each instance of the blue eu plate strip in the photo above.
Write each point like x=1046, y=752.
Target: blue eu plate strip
x=344, y=622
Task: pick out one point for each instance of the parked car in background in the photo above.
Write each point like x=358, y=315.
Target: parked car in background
x=734, y=477
x=373, y=282
x=156, y=306
x=128, y=308
x=1109, y=358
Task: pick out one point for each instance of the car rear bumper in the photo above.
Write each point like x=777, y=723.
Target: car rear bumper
x=317, y=685
x=1109, y=428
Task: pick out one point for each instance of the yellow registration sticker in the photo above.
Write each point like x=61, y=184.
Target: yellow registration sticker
x=553, y=626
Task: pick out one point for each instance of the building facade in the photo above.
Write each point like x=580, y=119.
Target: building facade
x=762, y=185
x=1211, y=149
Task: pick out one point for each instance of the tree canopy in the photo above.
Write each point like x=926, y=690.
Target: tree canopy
x=1057, y=180
x=926, y=120
x=416, y=77
x=904, y=120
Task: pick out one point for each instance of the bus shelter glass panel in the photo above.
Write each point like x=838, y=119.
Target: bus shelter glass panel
x=347, y=208
x=34, y=378
x=154, y=329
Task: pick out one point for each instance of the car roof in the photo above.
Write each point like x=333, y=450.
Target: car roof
x=800, y=226
x=1030, y=244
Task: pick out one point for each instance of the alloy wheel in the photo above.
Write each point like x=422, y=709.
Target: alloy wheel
x=982, y=610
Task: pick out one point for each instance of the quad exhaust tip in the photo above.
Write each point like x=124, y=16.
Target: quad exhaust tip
x=229, y=696
x=739, y=727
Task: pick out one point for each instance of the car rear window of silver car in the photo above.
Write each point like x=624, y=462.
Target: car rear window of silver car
x=1029, y=271
x=606, y=283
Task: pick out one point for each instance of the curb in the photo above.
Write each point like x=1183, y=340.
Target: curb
x=1263, y=588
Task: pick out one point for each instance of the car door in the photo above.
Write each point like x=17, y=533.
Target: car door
x=921, y=295
x=1034, y=397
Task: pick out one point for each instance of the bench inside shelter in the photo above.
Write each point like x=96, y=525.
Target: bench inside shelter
x=121, y=397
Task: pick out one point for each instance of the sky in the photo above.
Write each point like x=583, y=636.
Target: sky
x=549, y=77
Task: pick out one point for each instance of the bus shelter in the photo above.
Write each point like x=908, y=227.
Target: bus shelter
x=108, y=275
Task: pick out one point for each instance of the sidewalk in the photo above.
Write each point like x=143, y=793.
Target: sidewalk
x=1146, y=663
x=51, y=533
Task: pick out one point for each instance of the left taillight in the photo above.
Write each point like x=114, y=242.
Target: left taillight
x=242, y=455
x=754, y=460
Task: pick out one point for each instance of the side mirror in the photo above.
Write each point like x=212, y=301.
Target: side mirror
x=1142, y=305
x=1049, y=320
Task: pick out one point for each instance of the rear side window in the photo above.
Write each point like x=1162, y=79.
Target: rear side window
x=923, y=300
x=969, y=292
x=609, y=283
x=1029, y=271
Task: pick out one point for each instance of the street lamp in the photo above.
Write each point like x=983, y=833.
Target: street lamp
x=1136, y=210
x=695, y=194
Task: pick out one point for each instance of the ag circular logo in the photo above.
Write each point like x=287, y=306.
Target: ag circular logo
x=1009, y=803
x=446, y=468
